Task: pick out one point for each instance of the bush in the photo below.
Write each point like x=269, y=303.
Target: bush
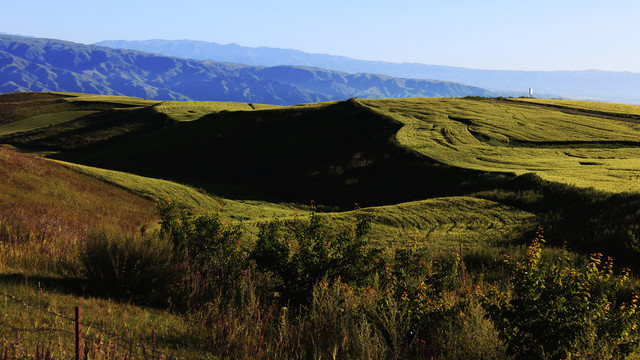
x=211, y=249
x=301, y=253
x=559, y=311
x=138, y=269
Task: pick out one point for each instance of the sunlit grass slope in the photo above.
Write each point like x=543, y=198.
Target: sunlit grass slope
x=494, y=136
x=442, y=222
x=625, y=110
x=445, y=223
x=193, y=110
x=188, y=197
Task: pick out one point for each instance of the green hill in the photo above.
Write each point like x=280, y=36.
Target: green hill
x=450, y=187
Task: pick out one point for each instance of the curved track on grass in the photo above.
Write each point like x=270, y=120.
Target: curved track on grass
x=583, y=150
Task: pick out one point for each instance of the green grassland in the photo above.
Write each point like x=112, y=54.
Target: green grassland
x=624, y=110
x=193, y=110
x=38, y=121
x=444, y=222
x=494, y=136
x=434, y=175
x=188, y=197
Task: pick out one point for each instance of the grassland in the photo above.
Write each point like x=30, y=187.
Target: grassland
x=445, y=223
x=46, y=209
x=188, y=197
x=624, y=110
x=492, y=136
x=193, y=110
x=435, y=175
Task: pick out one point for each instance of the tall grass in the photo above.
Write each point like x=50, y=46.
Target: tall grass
x=47, y=209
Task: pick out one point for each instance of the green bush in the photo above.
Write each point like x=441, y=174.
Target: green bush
x=560, y=311
x=212, y=250
x=301, y=253
x=139, y=269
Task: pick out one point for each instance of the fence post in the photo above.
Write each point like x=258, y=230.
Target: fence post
x=78, y=331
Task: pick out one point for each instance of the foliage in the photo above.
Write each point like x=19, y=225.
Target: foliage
x=139, y=269
x=210, y=247
x=560, y=311
x=300, y=253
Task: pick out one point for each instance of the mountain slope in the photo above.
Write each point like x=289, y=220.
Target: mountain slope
x=52, y=65
x=594, y=84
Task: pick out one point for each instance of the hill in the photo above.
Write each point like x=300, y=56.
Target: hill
x=455, y=184
x=40, y=199
x=29, y=64
x=365, y=151
x=588, y=84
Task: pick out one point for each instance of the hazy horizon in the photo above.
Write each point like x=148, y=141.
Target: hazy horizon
x=499, y=35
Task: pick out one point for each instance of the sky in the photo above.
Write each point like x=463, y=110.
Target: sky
x=504, y=35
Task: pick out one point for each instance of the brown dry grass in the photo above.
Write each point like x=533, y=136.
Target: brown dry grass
x=47, y=208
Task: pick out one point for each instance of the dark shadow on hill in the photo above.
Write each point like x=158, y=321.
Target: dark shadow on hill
x=336, y=155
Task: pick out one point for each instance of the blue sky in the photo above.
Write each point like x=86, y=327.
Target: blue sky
x=535, y=35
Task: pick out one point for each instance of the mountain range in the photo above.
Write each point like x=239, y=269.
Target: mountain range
x=36, y=64
x=588, y=84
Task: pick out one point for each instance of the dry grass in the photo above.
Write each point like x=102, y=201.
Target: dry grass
x=45, y=209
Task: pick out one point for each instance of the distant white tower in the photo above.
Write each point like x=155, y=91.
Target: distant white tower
x=530, y=92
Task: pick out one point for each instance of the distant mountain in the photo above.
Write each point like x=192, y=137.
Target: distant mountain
x=588, y=84
x=31, y=64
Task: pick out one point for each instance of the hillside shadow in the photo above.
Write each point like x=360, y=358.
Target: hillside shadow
x=336, y=155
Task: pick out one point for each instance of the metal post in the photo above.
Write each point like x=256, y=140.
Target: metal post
x=78, y=332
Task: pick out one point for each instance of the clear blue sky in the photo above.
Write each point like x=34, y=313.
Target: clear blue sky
x=514, y=34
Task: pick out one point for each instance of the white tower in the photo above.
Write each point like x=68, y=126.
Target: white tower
x=530, y=92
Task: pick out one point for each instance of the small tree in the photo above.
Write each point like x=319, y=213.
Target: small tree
x=560, y=311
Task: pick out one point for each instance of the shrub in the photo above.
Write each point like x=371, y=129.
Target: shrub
x=211, y=249
x=560, y=311
x=301, y=253
x=139, y=269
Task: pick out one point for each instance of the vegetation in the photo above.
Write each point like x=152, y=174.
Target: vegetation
x=193, y=110
x=257, y=271
x=494, y=136
x=559, y=311
x=623, y=110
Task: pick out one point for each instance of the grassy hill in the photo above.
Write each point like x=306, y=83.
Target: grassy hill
x=46, y=209
x=576, y=149
x=433, y=174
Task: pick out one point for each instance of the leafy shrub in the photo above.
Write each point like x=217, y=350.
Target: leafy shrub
x=560, y=311
x=139, y=269
x=301, y=253
x=211, y=249
x=445, y=320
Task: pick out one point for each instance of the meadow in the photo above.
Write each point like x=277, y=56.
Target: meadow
x=404, y=228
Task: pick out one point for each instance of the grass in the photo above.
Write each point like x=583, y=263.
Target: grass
x=102, y=319
x=492, y=136
x=445, y=223
x=435, y=174
x=624, y=110
x=187, y=197
x=38, y=121
x=193, y=110
x=47, y=209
